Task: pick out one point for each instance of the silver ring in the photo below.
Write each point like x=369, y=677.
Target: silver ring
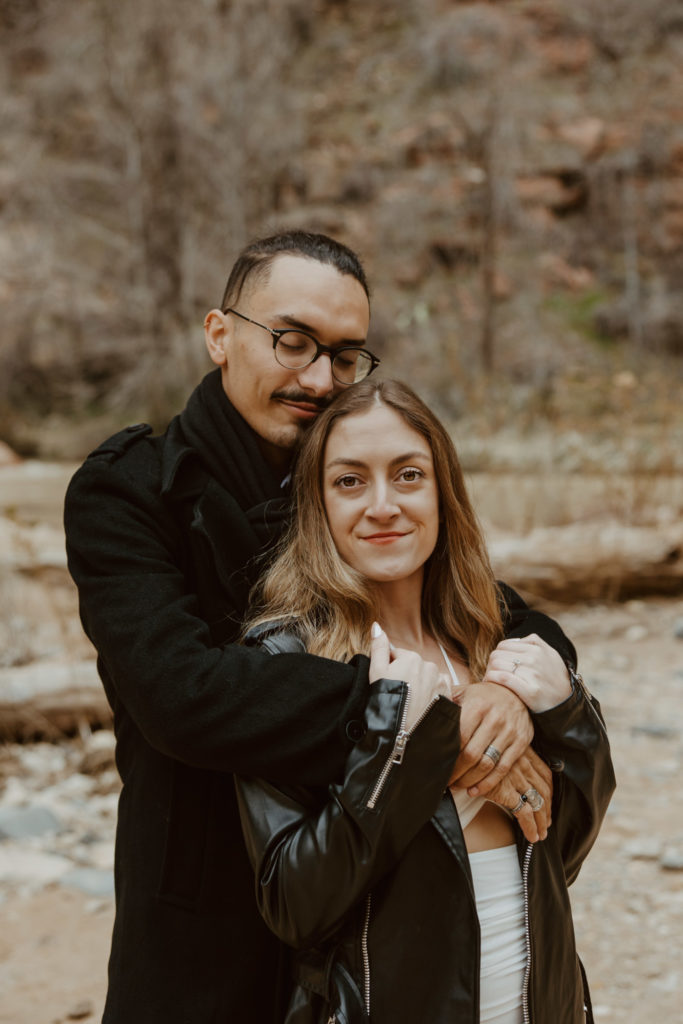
x=493, y=753
x=522, y=801
x=534, y=799
x=515, y=665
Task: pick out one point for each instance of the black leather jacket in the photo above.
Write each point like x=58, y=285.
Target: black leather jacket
x=369, y=880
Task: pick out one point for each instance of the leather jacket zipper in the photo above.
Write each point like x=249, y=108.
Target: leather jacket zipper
x=527, y=934
x=365, y=954
x=399, y=748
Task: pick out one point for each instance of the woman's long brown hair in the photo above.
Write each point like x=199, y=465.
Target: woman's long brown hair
x=330, y=604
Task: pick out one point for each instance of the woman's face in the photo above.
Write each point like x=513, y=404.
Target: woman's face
x=381, y=495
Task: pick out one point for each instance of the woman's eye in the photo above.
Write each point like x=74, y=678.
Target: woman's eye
x=346, y=481
x=409, y=476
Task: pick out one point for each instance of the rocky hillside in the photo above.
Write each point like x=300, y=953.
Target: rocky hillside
x=512, y=173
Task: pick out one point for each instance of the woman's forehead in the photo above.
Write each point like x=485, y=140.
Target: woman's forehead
x=377, y=431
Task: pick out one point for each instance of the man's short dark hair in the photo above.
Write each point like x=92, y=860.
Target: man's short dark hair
x=254, y=262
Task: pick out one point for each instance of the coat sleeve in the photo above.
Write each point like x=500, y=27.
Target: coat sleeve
x=573, y=740
x=228, y=708
x=314, y=862
x=520, y=620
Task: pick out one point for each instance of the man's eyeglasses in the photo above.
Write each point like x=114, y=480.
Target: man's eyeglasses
x=294, y=349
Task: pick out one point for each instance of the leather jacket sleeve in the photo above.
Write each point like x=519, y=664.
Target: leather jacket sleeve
x=573, y=741
x=314, y=859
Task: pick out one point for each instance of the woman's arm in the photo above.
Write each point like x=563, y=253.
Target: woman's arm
x=313, y=863
x=569, y=734
x=572, y=738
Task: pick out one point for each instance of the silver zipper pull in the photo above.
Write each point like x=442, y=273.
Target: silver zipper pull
x=400, y=745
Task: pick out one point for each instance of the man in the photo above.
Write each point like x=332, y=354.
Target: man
x=164, y=537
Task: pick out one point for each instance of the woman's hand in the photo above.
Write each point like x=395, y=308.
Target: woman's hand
x=425, y=681
x=532, y=669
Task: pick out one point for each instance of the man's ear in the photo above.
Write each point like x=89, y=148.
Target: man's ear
x=217, y=335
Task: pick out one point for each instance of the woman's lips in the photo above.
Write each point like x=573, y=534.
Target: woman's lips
x=383, y=538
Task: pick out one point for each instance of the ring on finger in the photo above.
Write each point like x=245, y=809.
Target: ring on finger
x=493, y=753
x=533, y=798
x=515, y=665
x=522, y=801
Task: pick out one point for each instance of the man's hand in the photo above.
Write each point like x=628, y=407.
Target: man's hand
x=491, y=716
x=529, y=771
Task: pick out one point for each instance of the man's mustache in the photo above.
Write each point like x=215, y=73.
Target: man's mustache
x=302, y=398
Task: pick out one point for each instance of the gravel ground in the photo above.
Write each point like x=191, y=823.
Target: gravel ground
x=55, y=901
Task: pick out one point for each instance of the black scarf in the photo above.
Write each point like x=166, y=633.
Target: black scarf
x=227, y=447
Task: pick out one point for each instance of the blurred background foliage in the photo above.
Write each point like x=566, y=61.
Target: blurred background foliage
x=511, y=173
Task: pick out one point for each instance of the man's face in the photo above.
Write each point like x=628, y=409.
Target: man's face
x=276, y=402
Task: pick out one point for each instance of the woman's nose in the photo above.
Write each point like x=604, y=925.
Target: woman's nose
x=382, y=504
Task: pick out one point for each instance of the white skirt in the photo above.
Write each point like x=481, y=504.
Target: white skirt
x=500, y=906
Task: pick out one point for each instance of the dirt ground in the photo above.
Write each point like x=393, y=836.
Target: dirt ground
x=628, y=901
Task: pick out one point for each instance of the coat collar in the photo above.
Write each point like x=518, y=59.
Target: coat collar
x=182, y=473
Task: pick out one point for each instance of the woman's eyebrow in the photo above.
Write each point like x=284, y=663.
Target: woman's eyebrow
x=343, y=461
x=406, y=457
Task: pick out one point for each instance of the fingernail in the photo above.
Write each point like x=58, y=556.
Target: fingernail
x=375, y=630
x=473, y=791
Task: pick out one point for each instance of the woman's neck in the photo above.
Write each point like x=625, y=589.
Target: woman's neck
x=400, y=613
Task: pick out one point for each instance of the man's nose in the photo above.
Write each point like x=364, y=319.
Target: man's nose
x=317, y=379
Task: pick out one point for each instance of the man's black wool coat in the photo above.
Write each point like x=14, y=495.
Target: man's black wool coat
x=165, y=536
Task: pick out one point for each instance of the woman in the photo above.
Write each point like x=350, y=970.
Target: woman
x=402, y=906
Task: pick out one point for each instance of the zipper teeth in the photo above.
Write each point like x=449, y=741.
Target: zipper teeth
x=366, y=955
x=396, y=755
x=424, y=714
x=527, y=934
x=388, y=764
x=578, y=678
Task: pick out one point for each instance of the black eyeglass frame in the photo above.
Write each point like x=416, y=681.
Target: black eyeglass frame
x=320, y=349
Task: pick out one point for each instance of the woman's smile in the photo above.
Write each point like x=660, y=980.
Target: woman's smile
x=383, y=538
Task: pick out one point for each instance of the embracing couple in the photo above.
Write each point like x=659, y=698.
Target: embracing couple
x=358, y=773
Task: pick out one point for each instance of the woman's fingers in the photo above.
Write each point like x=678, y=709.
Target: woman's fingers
x=532, y=669
x=380, y=653
x=423, y=677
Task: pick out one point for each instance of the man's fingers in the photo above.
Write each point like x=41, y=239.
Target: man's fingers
x=528, y=824
x=506, y=796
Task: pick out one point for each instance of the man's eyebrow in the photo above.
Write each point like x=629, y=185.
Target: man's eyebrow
x=301, y=325
x=406, y=457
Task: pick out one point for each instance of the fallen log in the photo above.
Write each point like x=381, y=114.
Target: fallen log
x=50, y=700
x=591, y=561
